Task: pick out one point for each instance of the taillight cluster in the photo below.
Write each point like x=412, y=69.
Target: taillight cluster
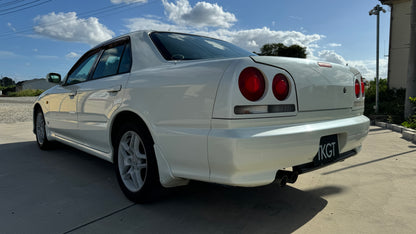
x=252, y=85
x=362, y=87
x=280, y=87
x=359, y=88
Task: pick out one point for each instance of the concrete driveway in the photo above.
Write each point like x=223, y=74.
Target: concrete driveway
x=65, y=190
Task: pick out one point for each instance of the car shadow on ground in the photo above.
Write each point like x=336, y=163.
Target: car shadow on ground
x=371, y=161
x=67, y=190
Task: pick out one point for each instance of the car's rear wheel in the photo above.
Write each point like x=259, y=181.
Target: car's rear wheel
x=40, y=131
x=135, y=164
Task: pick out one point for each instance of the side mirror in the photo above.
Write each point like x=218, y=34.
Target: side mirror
x=53, y=78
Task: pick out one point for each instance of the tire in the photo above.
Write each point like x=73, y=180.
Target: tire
x=40, y=131
x=135, y=164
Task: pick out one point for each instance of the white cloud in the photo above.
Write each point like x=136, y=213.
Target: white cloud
x=72, y=55
x=7, y=54
x=331, y=56
x=252, y=43
x=203, y=14
x=334, y=45
x=367, y=68
x=128, y=1
x=251, y=39
x=185, y=19
x=11, y=27
x=152, y=24
x=68, y=27
x=47, y=57
x=295, y=17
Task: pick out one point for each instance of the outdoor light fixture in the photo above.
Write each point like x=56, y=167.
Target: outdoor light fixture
x=376, y=11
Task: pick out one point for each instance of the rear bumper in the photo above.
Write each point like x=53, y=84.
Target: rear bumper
x=252, y=156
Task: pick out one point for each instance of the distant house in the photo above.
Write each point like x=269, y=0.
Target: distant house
x=41, y=83
x=399, y=42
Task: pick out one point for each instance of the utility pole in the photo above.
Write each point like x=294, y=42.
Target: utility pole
x=411, y=70
x=376, y=11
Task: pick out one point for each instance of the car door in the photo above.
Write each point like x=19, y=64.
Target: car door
x=102, y=94
x=62, y=104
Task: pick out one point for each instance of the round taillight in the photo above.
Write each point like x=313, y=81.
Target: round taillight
x=357, y=88
x=252, y=84
x=281, y=87
x=362, y=87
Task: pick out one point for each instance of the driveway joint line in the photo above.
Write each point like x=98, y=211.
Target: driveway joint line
x=100, y=218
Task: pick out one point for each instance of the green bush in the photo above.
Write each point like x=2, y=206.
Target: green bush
x=411, y=122
x=7, y=87
x=26, y=92
x=391, y=101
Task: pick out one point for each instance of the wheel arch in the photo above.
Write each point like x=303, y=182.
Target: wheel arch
x=36, y=108
x=127, y=116
x=166, y=177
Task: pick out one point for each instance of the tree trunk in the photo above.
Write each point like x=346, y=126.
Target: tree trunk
x=411, y=72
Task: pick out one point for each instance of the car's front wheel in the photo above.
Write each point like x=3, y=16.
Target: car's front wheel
x=135, y=164
x=40, y=131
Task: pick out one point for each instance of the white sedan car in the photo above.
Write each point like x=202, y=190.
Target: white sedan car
x=168, y=107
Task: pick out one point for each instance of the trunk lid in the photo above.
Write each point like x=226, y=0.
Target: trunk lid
x=317, y=87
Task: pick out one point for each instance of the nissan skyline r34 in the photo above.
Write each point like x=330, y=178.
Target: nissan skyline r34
x=169, y=107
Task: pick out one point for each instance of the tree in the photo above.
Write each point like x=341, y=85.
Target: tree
x=6, y=81
x=278, y=49
x=411, y=73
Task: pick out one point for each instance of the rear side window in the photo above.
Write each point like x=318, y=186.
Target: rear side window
x=177, y=46
x=109, y=62
x=125, y=63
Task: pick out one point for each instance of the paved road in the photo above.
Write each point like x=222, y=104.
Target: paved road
x=65, y=190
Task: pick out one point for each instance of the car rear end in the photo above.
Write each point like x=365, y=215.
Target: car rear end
x=273, y=113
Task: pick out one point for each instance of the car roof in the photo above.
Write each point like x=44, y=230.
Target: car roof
x=121, y=37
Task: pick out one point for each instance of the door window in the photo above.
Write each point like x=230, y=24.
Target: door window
x=109, y=62
x=125, y=63
x=81, y=73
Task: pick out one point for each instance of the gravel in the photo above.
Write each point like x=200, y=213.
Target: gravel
x=16, y=109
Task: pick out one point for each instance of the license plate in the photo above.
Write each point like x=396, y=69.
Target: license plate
x=328, y=150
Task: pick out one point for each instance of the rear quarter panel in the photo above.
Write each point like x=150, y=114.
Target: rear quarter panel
x=176, y=101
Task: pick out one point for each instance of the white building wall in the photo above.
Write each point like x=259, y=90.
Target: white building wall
x=37, y=84
x=399, y=43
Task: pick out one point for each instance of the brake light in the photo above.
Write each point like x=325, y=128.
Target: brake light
x=280, y=87
x=357, y=88
x=322, y=64
x=362, y=87
x=252, y=84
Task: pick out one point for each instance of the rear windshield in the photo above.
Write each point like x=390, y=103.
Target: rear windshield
x=177, y=46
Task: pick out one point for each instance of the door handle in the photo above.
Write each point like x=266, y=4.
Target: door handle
x=114, y=89
x=72, y=93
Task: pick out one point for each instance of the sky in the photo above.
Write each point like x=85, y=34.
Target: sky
x=42, y=36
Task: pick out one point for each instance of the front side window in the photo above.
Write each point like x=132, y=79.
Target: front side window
x=82, y=71
x=109, y=60
x=177, y=46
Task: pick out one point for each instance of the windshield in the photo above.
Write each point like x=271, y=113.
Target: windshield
x=177, y=46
